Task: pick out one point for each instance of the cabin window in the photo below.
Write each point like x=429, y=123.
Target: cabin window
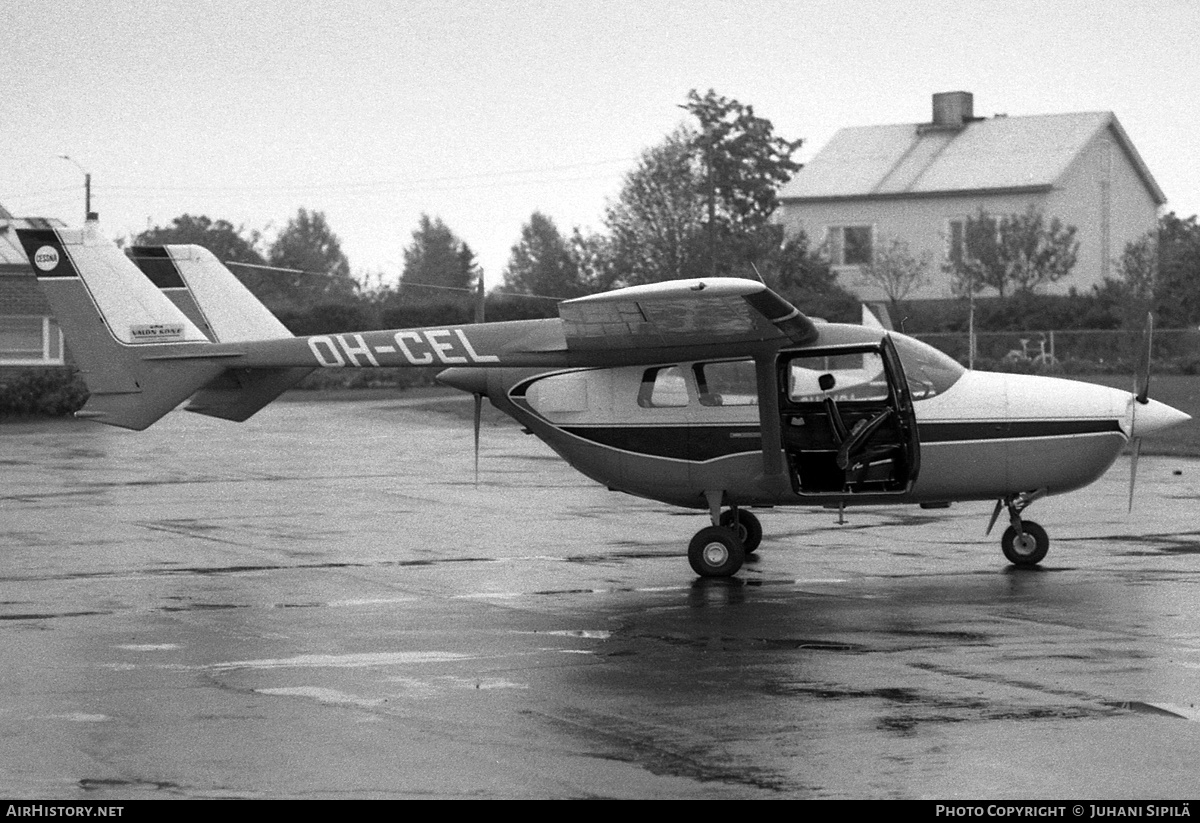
x=559, y=393
x=663, y=387
x=30, y=341
x=851, y=245
x=857, y=376
x=731, y=383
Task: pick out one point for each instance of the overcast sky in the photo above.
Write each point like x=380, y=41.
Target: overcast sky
x=482, y=112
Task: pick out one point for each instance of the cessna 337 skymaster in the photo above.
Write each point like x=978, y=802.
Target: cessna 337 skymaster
x=711, y=394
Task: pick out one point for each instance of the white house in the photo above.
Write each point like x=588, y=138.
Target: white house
x=919, y=181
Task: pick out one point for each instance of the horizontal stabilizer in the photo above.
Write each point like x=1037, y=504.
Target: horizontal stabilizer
x=160, y=388
x=236, y=394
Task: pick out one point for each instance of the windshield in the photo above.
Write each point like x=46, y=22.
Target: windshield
x=929, y=372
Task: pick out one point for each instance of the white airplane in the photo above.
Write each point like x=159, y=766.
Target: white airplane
x=714, y=394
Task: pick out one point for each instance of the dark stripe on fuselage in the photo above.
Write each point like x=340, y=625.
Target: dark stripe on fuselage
x=1011, y=429
x=705, y=442
x=156, y=264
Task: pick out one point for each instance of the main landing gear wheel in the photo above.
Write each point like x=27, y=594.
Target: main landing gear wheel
x=716, y=551
x=1026, y=549
x=745, y=526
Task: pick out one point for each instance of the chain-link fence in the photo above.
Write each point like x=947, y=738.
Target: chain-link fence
x=1174, y=351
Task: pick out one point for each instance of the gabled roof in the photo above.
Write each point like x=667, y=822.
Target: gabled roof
x=992, y=155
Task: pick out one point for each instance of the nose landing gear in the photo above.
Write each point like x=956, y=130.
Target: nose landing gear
x=1024, y=543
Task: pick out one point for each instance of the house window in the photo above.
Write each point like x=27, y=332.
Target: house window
x=956, y=237
x=30, y=341
x=851, y=245
x=954, y=241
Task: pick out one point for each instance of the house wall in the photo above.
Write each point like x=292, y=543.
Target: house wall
x=1102, y=195
x=21, y=297
x=923, y=222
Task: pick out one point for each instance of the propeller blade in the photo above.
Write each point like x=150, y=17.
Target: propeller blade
x=1141, y=385
x=1133, y=461
x=995, y=516
x=478, y=417
x=1140, y=397
x=480, y=303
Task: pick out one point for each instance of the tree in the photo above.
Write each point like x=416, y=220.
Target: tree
x=1014, y=253
x=699, y=203
x=896, y=271
x=322, y=272
x=228, y=243
x=743, y=164
x=309, y=245
x=593, y=256
x=658, y=216
x=1177, y=291
x=802, y=275
x=222, y=238
x=543, y=263
x=1129, y=296
x=437, y=259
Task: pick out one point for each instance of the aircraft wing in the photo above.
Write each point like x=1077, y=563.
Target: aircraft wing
x=682, y=313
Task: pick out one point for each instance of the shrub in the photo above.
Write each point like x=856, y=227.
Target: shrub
x=42, y=392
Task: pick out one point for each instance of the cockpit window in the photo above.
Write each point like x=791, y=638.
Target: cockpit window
x=663, y=387
x=730, y=383
x=929, y=372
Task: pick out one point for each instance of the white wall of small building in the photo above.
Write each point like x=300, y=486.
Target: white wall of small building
x=922, y=222
x=1080, y=201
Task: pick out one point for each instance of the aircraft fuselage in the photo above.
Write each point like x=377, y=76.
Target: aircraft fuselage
x=978, y=435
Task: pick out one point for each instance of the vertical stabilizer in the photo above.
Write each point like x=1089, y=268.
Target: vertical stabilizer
x=222, y=303
x=216, y=301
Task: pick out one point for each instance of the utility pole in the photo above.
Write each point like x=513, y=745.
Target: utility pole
x=87, y=187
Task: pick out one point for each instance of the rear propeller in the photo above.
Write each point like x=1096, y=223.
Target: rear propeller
x=1139, y=397
x=480, y=299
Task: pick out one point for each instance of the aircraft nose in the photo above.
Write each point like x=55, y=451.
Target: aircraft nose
x=1155, y=416
x=465, y=379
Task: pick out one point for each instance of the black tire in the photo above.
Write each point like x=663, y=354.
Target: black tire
x=715, y=551
x=747, y=528
x=1030, y=550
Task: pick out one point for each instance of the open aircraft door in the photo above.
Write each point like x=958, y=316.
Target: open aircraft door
x=847, y=421
x=906, y=417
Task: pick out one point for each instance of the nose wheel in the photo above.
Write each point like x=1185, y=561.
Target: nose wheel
x=1026, y=548
x=1024, y=543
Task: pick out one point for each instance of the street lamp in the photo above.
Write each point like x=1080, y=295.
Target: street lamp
x=87, y=187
